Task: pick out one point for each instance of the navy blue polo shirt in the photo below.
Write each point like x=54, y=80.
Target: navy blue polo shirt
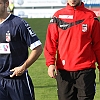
x=15, y=32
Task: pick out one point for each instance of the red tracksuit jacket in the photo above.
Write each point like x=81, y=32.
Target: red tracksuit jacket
x=73, y=39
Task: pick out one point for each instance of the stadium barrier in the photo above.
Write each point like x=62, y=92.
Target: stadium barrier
x=46, y=8
x=96, y=11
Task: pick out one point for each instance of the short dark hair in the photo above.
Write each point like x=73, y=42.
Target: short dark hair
x=5, y=1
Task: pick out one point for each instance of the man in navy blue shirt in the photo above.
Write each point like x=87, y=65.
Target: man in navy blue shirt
x=15, y=37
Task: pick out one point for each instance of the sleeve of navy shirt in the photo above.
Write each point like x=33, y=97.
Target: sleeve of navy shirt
x=28, y=35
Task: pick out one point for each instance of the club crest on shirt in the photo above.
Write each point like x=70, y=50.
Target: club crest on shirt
x=8, y=37
x=84, y=27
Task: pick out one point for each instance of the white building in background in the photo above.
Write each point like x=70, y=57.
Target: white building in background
x=42, y=8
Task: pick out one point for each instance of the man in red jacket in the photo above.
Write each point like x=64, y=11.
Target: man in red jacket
x=71, y=49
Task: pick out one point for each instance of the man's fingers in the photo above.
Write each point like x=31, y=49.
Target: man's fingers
x=12, y=75
x=52, y=74
x=12, y=70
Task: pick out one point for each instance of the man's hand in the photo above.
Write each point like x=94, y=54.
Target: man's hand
x=52, y=72
x=17, y=71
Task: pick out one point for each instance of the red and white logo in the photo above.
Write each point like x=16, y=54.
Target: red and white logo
x=8, y=38
x=84, y=27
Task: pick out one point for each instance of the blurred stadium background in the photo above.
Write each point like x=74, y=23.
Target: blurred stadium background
x=46, y=8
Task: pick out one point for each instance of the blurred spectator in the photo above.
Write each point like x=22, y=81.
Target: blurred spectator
x=11, y=6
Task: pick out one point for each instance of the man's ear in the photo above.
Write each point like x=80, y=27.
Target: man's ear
x=7, y=4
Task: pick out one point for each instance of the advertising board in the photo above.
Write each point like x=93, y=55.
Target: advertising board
x=39, y=3
x=46, y=8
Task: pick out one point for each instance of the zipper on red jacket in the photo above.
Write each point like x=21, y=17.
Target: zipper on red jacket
x=74, y=17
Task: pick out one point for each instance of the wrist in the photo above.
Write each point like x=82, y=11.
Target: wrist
x=24, y=66
x=51, y=65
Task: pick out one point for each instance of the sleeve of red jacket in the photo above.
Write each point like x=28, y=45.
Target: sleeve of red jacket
x=51, y=43
x=96, y=41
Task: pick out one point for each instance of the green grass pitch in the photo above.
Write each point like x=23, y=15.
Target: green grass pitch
x=45, y=87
